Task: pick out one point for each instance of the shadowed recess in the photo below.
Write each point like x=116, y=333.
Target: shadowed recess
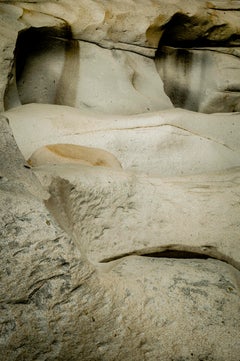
x=173, y=254
x=35, y=41
x=177, y=254
x=193, y=64
x=184, y=31
x=44, y=60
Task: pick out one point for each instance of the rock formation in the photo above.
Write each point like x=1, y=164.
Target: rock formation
x=138, y=257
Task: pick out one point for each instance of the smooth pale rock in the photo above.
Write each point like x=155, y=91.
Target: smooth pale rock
x=123, y=80
x=70, y=153
x=201, y=79
x=167, y=143
x=84, y=75
x=111, y=214
x=63, y=308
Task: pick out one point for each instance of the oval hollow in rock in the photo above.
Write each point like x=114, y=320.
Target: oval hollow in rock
x=71, y=153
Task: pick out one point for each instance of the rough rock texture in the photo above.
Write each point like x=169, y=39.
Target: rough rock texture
x=135, y=264
x=199, y=296
x=148, y=212
x=64, y=308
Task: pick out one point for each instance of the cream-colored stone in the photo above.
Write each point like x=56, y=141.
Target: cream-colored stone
x=85, y=76
x=150, y=214
x=142, y=24
x=165, y=143
x=55, y=304
x=71, y=153
x=58, y=300
x=128, y=83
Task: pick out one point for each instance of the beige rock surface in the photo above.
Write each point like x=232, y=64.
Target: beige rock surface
x=151, y=215
x=201, y=79
x=86, y=76
x=133, y=264
x=169, y=143
x=64, y=308
x=131, y=33
x=75, y=154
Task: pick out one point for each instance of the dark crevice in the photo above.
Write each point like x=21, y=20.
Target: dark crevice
x=183, y=31
x=30, y=47
x=173, y=254
x=36, y=40
x=177, y=254
x=131, y=48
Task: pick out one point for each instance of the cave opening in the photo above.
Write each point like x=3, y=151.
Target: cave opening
x=193, y=58
x=38, y=62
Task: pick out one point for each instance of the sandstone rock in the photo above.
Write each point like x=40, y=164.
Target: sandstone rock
x=119, y=80
x=201, y=79
x=84, y=75
x=9, y=28
x=164, y=143
x=151, y=214
x=143, y=25
x=64, y=308
x=13, y=165
x=70, y=153
x=99, y=264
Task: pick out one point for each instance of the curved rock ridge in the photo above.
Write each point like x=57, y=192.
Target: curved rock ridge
x=170, y=143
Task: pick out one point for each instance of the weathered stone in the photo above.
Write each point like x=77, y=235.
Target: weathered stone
x=75, y=154
x=98, y=264
x=150, y=214
x=165, y=143
x=9, y=28
x=201, y=79
x=64, y=308
x=85, y=76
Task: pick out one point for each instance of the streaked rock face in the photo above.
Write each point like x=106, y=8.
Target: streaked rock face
x=201, y=79
x=121, y=240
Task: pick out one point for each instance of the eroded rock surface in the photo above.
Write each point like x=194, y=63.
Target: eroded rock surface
x=156, y=144
x=138, y=263
x=75, y=154
x=65, y=308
